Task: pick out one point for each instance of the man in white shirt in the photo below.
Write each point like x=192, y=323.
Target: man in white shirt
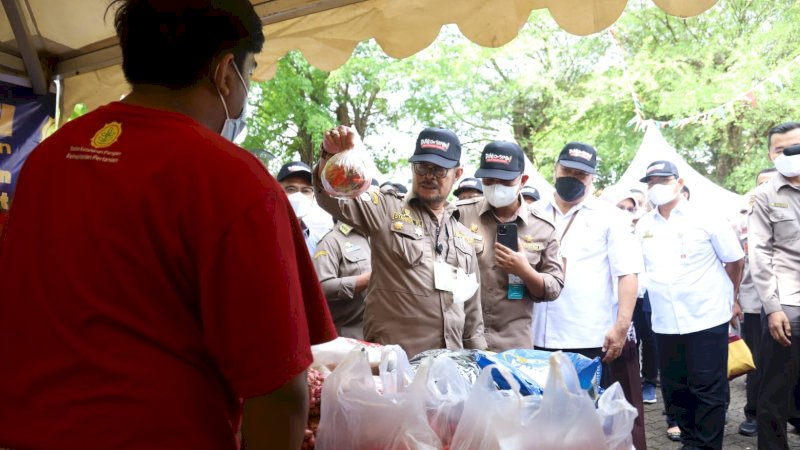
x=694, y=266
x=599, y=251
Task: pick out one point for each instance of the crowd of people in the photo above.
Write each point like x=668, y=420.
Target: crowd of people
x=172, y=300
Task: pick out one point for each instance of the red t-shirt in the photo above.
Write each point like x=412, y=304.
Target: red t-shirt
x=151, y=275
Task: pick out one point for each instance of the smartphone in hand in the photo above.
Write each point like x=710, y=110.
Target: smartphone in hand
x=507, y=235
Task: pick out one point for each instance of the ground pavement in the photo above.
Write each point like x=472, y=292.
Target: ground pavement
x=656, y=427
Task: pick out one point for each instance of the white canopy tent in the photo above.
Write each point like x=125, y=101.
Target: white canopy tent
x=704, y=192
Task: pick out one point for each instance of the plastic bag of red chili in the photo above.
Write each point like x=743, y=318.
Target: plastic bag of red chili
x=345, y=174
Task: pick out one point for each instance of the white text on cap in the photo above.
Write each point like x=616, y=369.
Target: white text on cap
x=578, y=153
x=433, y=143
x=495, y=158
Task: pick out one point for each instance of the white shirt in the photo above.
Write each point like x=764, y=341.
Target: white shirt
x=599, y=247
x=688, y=286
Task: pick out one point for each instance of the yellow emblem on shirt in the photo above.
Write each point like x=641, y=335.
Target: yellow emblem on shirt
x=473, y=228
x=532, y=246
x=397, y=226
x=647, y=235
x=320, y=253
x=107, y=135
x=527, y=238
x=406, y=217
x=375, y=198
x=345, y=229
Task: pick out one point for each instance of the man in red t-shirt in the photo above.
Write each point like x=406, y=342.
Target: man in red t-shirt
x=153, y=273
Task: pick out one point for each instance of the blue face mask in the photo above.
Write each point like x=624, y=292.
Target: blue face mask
x=234, y=126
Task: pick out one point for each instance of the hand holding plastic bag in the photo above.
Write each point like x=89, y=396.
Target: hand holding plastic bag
x=345, y=174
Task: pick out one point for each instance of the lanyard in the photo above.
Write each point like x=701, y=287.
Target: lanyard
x=569, y=224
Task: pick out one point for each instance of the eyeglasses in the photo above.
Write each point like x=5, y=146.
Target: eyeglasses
x=632, y=209
x=294, y=189
x=424, y=170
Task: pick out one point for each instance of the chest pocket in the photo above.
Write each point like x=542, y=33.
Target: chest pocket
x=533, y=250
x=784, y=225
x=407, y=242
x=357, y=257
x=463, y=253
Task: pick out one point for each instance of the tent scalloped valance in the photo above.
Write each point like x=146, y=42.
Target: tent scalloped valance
x=401, y=27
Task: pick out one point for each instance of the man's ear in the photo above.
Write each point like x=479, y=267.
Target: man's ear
x=523, y=180
x=681, y=182
x=458, y=172
x=222, y=74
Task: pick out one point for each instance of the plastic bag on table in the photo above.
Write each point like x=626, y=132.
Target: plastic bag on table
x=330, y=354
x=564, y=418
x=346, y=174
x=616, y=417
x=443, y=391
x=491, y=416
x=532, y=367
x=355, y=416
x=465, y=361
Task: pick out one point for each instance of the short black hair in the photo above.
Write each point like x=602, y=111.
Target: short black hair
x=781, y=129
x=172, y=42
x=766, y=171
x=686, y=190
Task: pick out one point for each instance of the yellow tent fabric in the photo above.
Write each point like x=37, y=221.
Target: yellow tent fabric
x=80, y=44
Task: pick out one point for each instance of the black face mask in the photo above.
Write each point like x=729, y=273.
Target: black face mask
x=569, y=188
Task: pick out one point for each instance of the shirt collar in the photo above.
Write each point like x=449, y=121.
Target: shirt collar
x=780, y=181
x=521, y=213
x=449, y=208
x=589, y=202
x=681, y=208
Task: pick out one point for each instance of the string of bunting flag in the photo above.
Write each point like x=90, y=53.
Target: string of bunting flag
x=778, y=78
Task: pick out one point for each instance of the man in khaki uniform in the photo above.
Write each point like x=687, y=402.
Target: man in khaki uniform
x=343, y=267
x=423, y=291
x=510, y=281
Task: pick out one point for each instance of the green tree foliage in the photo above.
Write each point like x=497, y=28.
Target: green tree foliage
x=548, y=87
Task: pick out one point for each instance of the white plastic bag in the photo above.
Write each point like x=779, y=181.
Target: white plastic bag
x=564, y=418
x=616, y=417
x=355, y=416
x=443, y=391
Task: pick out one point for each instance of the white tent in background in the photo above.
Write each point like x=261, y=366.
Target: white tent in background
x=704, y=193
x=536, y=180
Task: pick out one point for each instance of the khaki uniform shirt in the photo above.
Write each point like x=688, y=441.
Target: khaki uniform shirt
x=403, y=306
x=774, y=244
x=341, y=256
x=507, y=323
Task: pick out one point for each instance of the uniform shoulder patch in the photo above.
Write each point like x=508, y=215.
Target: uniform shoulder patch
x=345, y=229
x=320, y=253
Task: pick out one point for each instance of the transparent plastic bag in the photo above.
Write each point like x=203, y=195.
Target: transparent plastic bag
x=443, y=391
x=564, y=418
x=355, y=416
x=346, y=174
x=616, y=417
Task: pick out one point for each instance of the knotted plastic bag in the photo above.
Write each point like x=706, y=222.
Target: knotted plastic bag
x=346, y=175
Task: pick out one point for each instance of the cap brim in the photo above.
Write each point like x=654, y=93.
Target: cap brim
x=434, y=159
x=505, y=175
x=530, y=195
x=458, y=191
x=657, y=174
x=299, y=173
x=578, y=166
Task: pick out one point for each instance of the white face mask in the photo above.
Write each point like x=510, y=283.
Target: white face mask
x=788, y=166
x=661, y=194
x=234, y=126
x=301, y=204
x=499, y=195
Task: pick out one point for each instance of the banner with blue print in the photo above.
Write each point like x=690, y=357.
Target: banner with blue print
x=25, y=120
